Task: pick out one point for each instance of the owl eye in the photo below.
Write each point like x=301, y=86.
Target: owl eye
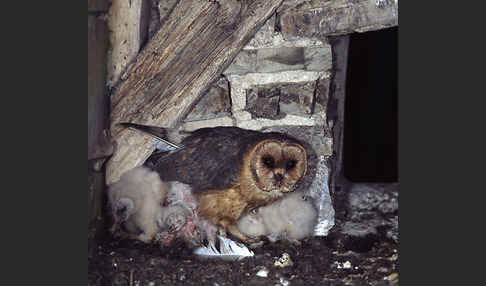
x=269, y=162
x=290, y=164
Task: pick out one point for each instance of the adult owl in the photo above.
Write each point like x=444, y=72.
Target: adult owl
x=233, y=170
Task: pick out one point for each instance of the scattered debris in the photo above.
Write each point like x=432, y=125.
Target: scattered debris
x=284, y=282
x=263, y=272
x=284, y=261
x=345, y=265
x=314, y=263
x=392, y=278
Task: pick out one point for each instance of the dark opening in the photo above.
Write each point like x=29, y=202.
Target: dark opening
x=370, y=151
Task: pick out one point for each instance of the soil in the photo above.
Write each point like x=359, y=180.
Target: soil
x=336, y=259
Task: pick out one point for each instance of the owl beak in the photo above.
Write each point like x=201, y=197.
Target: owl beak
x=278, y=177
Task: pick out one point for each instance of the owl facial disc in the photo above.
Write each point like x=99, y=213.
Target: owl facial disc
x=278, y=165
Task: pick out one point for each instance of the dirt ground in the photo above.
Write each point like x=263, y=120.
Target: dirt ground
x=333, y=260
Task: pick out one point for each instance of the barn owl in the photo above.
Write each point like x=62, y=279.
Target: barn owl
x=232, y=170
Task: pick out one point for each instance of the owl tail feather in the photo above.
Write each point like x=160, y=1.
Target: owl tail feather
x=159, y=133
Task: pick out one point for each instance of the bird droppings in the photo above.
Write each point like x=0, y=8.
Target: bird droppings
x=313, y=264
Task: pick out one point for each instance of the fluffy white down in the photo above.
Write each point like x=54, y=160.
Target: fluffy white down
x=290, y=218
x=300, y=216
x=147, y=192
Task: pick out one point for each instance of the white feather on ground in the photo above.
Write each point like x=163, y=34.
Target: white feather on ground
x=229, y=250
x=139, y=195
x=291, y=218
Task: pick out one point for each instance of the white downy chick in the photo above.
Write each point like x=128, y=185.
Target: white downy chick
x=136, y=201
x=292, y=218
x=301, y=216
x=182, y=216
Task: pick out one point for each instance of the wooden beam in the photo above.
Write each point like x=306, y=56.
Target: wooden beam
x=322, y=18
x=190, y=51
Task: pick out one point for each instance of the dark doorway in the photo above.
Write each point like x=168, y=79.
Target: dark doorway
x=370, y=152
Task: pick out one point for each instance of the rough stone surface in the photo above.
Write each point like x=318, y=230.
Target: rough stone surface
x=264, y=36
x=297, y=99
x=221, y=121
x=264, y=102
x=274, y=101
x=324, y=18
x=276, y=59
x=364, y=198
x=245, y=62
x=277, y=95
x=214, y=103
x=318, y=58
x=268, y=51
x=322, y=95
x=241, y=83
x=280, y=59
x=290, y=120
x=373, y=208
x=269, y=37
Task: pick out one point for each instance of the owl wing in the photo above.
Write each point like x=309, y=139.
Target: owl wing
x=210, y=159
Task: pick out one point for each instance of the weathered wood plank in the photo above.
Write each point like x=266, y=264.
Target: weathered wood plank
x=197, y=42
x=128, y=25
x=317, y=18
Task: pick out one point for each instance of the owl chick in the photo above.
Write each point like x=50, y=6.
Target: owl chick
x=292, y=218
x=233, y=170
x=136, y=202
x=180, y=219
